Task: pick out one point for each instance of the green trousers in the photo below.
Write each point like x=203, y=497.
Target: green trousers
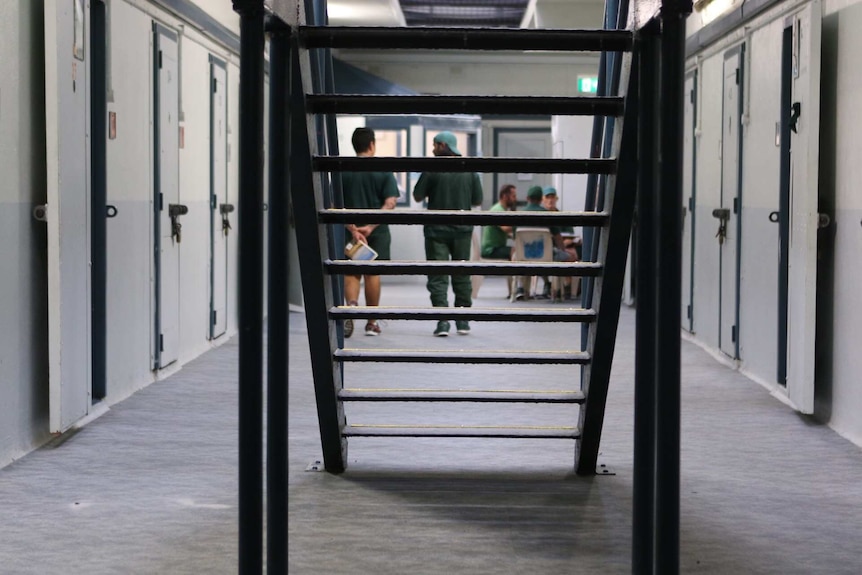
x=449, y=248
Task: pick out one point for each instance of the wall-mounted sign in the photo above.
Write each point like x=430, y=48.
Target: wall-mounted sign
x=588, y=84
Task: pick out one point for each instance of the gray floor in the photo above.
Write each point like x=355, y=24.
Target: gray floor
x=150, y=487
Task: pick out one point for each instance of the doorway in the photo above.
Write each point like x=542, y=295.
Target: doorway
x=220, y=210
x=729, y=214
x=689, y=198
x=167, y=234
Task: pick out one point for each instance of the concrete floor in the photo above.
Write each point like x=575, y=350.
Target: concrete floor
x=150, y=487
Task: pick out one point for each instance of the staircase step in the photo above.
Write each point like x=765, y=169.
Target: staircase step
x=513, y=432
x=440, y=38
x=446, y=105
x=462, y=356
x=501, y=268
x=465, y=164
x=558, y=314
x=462, y=218
x=458, y=395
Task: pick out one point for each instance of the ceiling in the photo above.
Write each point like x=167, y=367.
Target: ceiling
x=492, y=13
x=498, y=13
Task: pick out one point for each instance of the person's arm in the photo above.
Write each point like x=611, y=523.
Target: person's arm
x=558, y=241
x=357, y=233
x=388, y=204
x=419, y=190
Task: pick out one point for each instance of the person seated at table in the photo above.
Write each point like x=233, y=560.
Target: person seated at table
x=495, y=239
x=549, y=202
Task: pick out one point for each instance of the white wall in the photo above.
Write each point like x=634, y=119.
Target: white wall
x=843, y=394
x=477, y=73
x=130, y=188
x=571, y=137
x=837, y=383
x=23, y=262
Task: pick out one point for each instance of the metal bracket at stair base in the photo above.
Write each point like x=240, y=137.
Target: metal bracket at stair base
x=315, y=466
x=603, y=469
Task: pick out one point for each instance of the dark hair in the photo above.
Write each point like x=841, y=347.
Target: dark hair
x=362, y=139
x=505, y=188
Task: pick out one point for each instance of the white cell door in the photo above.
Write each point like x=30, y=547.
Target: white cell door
x=220, y=209
x=730, y=182
x=804, y=157
x=167, y=190
x=688, y=162
x=68, y=212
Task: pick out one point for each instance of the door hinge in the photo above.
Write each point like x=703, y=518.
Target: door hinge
x=213, y=201
x=733, y=334
x=215, y=85
x=736, y=205
x=161, y=201
x=161, y=342
x=737, y=76
x=691, y=204
x=691, y=96
x=688, y=311
x=160, y=59
x=214, y=317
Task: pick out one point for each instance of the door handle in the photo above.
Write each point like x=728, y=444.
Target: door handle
x=795, y=112
x=175, y=211
x=40, y=212
x=721, y=213
x=224, y=210
x=774, y=216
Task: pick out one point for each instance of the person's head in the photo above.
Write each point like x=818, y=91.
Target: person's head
x=549, y=198
x=363, y=141
x=534, y=195
x=508, y=196
x=446, y=144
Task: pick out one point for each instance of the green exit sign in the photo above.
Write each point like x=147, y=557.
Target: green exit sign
x=588, y=84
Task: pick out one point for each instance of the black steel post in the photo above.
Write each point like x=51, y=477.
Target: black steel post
x=668, y=253
x=643, y=510
x=98, y=197
x=279, y=311
x=250, y=264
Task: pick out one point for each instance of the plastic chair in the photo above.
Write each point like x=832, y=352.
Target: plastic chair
x=533, y=245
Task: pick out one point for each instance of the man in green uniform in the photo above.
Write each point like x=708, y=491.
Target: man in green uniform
x=448, y=191
x=367, y=190
x=495, y=238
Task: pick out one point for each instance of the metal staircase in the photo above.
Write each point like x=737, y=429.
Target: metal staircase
x=640, y=156
x=320, y=260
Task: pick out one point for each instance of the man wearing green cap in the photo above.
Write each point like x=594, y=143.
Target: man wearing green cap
x=448, y=191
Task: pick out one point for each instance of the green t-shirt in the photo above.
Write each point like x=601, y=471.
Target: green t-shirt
x=448, y=191
x=539, y=208
x=493, y=236
x=368, y=190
